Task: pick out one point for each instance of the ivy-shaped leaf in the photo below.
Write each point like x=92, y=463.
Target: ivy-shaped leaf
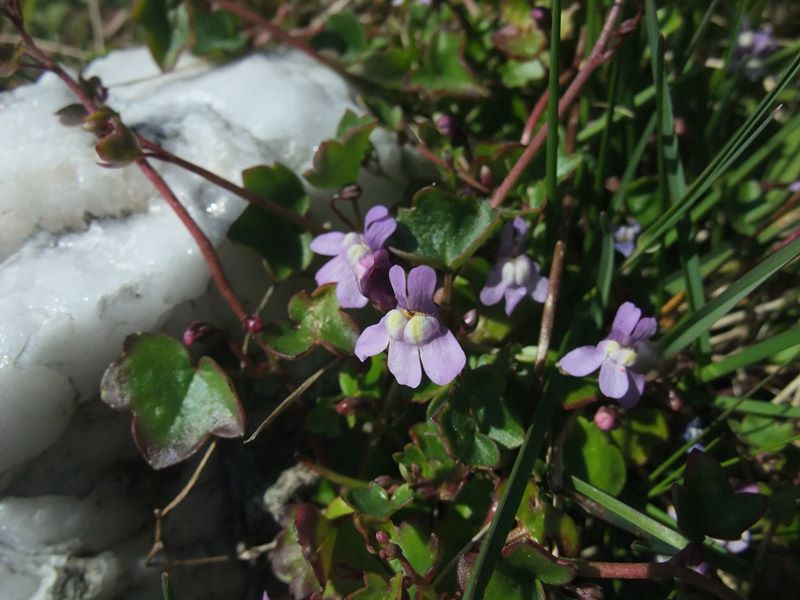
x=590, y=455
x=545, y=522
x=175, y=406
x=318, y=321
x=345, y=33
x=216, y=34
x=443, y=230
x=419, y=548
x=167, y=30
x=443, y=70
x=516, y=575
x=474, y=448
x=337, y=162
x=378, y=588
x=374, y=501
x=284, y=246
x=426, y=460
x=388, y=67
x=707, y=505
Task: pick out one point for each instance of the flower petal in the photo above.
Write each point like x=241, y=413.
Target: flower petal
x=635, y=389
x=373, y=340
x=644, y=330
x=348, y=293
x=624, y=248
x=421, y=286
x=624, y=321
x=495, y=287
x=404, y=363
x=375, y=213
x=397, y=277
x=378, y=229
x=333, y=271
x=328, y=244
x=443, y=357
x=539, y=293
x=582, y=361
x=613, y=379
x=513, y=295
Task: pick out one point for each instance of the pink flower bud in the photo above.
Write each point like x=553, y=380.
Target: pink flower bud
x=197, y=331
x=608, y=418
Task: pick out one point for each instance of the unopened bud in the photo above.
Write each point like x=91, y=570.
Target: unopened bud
x=485, y=176
x=197, y=331
x=382, y=538
x=253, y=323
x=347, y=406
x=383, y=480
x=608, y=418
x=447, y=125
x=542, y=16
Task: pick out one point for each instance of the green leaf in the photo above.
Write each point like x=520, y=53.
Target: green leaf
x=518, y=74
x=474, y=448
x=641, y=432
x=216, y=34
x=419, y=548
x=284, y=246
x=374, y=501
x=521, y=566
x=378, y=588
x=166, y=29
x=426, y=459
x=706, y=504
x=443, y=70
x=318, y=321
x=349, y=33
x=764, y=433
x=544, y=522
x=175, y=407
x=590, y=455
x=443, y=230
x=388, y=67
x=337, y=162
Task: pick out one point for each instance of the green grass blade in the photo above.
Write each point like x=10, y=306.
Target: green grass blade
x=616, y=512
x=740, y=141
x=671, y=171
x=752, y=354
x=692, y=326
x=756, y=407
x=633, y=163
x=512, y=495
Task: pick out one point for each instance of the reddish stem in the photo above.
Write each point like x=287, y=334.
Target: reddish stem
x=277, y=32
x=598, y=56
x=306, y=223
x=440, y=162
x=205, y=245
x=538, y=109
x=650, y=571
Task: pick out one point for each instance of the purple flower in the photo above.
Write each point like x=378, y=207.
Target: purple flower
x=414, y=333
x=623, y=357
x=794, y=187
x=513, y=275
x=625, y=237
x=355, y=256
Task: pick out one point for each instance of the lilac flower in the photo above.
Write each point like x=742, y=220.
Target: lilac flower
x=623, y=357
x=794, y=187
x=514, y=275
x=752, y=46
x=354, y=255
x=625, y=237
x=413, y=333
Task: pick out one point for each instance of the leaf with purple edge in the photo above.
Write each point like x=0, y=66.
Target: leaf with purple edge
x=175, y=406
x=318, y=320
